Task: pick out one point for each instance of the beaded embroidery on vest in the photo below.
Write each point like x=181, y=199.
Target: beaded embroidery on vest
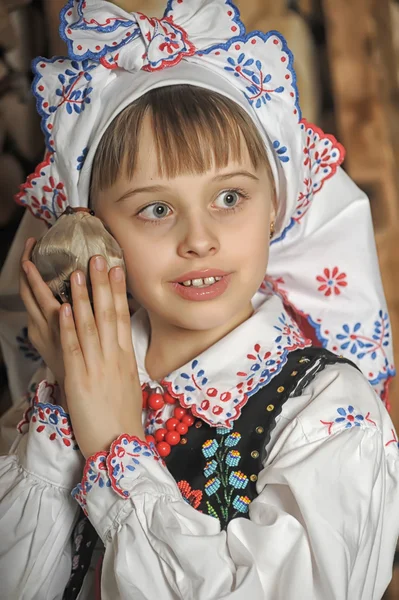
x=216, y=469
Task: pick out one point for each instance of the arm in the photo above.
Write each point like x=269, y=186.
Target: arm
x=37, y=513
x=324, y=525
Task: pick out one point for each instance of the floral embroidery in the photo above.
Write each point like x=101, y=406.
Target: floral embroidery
x=260, y=87
x=290, y=334
x=94, y=473
x=222, y=407
x=322, y=157
x=124, y=456
x=331, y=281
x=52, y=197
x=281, y=151
x=49, y=418
x=81, y=159
x=74, y=99
x=348, y=416
x=222, y=480
x=373, y=346
x=192, y=497
x=362, y=345
x=169, y=44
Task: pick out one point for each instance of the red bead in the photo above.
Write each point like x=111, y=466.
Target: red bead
x=159, y=435
x=145, y=399
x=156, y=401
x=171, y=424
x=179, y=412
x=172, y=438
x=163, y=448
x=188, y=420
x=150, y=439
x=168, y=398
x=182, y=428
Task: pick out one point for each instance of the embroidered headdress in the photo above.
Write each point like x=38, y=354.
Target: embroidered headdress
x=323, y=261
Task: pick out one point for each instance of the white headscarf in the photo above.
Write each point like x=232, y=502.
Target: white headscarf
x=322, y=261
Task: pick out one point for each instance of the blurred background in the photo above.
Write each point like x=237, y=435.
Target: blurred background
x=347, y=63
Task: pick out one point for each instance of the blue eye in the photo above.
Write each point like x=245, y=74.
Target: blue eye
x=154, y=212
x=230, y=198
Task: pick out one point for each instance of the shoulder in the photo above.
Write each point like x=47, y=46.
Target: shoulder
x=339, y=399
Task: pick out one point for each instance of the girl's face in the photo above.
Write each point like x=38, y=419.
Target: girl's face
x=219, y=219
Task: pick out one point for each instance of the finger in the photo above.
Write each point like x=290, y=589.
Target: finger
x=104, y=308
x=85, y=323
x=118, y=287
x=42, y=294
x=74, y=362
x=29, y=300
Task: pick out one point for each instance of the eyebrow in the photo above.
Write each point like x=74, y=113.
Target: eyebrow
x=161, y=188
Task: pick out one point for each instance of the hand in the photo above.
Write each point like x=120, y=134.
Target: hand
x=43, y=317
x=101, y=380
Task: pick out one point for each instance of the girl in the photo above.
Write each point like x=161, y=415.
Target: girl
x=219, y=453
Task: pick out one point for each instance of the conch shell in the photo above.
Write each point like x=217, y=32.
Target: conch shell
x=68, y=245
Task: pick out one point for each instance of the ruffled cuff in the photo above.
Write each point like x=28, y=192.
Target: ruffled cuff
x=132, y=466
x=48, y=448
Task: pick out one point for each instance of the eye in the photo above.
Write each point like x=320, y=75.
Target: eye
x=232, y=199
x=154, y=212
x=229, y=198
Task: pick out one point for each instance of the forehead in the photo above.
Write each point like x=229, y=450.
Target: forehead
x=152, y=156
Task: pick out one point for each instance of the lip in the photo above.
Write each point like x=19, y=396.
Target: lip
x=200, y=294
x=200, y=275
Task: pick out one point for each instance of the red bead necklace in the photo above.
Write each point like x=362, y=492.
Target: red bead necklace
x=170, y=435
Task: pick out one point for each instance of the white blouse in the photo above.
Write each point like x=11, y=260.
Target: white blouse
x=324, y=525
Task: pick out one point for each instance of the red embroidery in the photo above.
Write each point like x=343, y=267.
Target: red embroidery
x=331, y=281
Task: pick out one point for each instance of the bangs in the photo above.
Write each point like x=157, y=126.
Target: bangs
x=194, y=129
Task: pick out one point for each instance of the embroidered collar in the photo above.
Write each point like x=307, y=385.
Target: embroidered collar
x=217, y=384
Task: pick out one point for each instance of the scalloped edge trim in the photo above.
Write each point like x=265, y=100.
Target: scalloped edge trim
x=334, y=167
x=20, y=197
x=130, y=438
x=228, y=423
x=89, y=55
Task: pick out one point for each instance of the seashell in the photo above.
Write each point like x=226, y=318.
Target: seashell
x=68, y=245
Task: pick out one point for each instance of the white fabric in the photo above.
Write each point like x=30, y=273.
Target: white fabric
x=324, y=525
x=323, y=261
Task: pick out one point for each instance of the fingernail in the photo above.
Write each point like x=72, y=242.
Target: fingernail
x=117, y=274
x=99, y=263
x=27, y=243
x=25, y=267
x=80, y=278
x=67, y=310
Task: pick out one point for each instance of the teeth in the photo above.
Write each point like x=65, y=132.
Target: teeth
x=201, y=282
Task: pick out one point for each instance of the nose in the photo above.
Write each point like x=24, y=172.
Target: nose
x=198, y=238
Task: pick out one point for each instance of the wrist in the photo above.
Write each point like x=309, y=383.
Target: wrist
x=94, y=447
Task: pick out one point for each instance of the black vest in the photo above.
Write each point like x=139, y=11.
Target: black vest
x=217, y=469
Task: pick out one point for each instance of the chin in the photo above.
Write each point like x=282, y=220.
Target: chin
x=205, y=316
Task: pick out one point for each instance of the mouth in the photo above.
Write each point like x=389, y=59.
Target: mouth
x=200, y=289
x=199, y=282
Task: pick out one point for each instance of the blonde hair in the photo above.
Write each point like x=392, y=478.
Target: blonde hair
x=193, y=130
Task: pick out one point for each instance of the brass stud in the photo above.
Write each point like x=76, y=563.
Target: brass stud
x=253, y=477
x=280, y=389
x=340, y=356
x=183, y=441
x=303, y=359
x=270, y=407
x=198, y=424
x=294, y=373
x=259, y=430
x=255, y=454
